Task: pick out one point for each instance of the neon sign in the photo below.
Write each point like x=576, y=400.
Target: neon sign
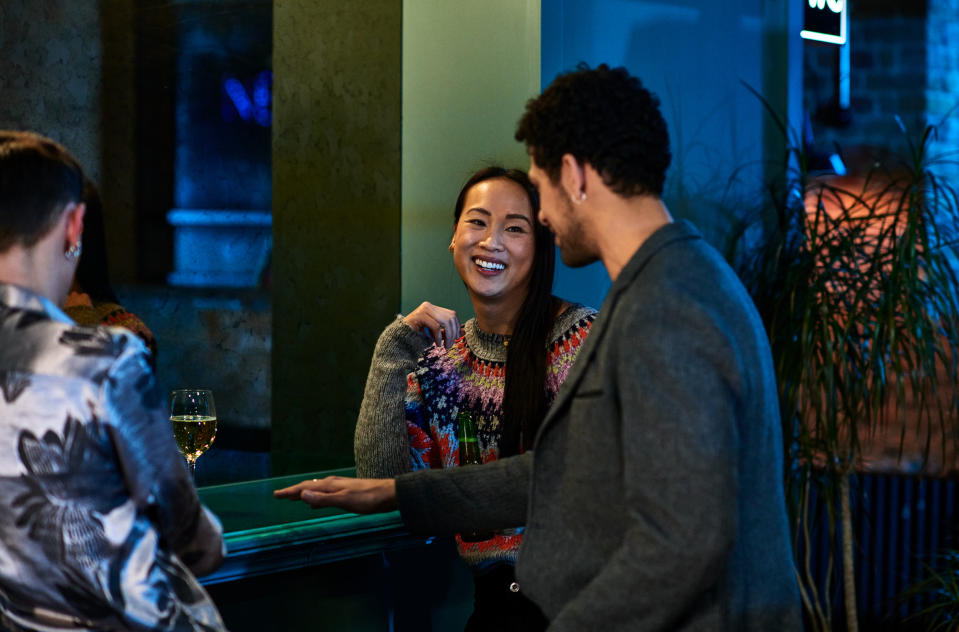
x=250, y=105
x=825, y=21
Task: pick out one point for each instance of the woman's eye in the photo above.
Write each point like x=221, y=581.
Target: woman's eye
x=516, y=229
x=476, y=222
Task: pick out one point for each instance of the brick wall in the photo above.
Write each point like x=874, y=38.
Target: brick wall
x=904, y=61
x=888, y=72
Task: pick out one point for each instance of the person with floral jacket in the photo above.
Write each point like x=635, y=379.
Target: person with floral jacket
x=101, y=527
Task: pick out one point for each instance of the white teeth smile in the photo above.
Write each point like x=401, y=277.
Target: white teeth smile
x=488, y=265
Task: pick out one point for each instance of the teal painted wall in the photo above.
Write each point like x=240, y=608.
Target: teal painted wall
x=468, y=68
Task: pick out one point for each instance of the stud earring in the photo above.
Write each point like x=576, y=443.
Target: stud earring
x=73, y=252
x=579, y=199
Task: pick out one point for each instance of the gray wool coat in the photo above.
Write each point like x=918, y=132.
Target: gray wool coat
x=653, y=498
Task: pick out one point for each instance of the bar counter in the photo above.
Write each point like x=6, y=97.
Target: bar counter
x=289, y=567
x=267, y=535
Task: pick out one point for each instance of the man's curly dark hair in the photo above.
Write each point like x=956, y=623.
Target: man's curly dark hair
x=603, y=117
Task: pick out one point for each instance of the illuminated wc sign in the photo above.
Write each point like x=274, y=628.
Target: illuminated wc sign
x=825, y=21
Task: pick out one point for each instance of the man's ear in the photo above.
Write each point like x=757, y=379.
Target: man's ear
x=572, y=177
x=74, y=218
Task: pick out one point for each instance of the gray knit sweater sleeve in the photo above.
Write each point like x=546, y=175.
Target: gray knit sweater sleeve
x=380, y=445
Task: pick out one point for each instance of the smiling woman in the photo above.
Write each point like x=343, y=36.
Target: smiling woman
x=492, y=247
x=500, y=370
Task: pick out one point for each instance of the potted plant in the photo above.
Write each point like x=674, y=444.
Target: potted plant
x=856, y=284
x=939, y=592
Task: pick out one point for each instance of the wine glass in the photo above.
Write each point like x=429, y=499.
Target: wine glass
x=193, y=416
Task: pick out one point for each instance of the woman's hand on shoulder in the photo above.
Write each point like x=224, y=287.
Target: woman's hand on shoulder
x=438, y=324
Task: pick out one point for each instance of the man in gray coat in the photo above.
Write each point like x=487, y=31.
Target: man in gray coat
x=653, y=497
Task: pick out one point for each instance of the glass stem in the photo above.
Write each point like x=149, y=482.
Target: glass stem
x=191, y=463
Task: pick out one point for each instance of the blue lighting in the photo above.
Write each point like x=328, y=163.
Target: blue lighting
x=825, y=21
x=241, y=101
x=837, y=164
x=250, y=106
x=262, y=97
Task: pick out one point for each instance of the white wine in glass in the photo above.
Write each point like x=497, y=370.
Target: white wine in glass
x=193, y=416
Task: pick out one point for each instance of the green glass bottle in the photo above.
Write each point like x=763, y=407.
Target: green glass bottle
x=469, y=455
x=469, y=445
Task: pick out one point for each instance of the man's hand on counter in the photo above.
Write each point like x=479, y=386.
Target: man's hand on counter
x=358, y=495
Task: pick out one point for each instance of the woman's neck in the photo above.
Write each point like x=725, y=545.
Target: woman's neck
x=497, y=317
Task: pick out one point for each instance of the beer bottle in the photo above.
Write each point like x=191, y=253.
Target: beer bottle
x=469, y=455
x=469, y=445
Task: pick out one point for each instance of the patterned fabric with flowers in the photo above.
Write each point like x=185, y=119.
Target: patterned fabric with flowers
x=470, y=375
x=102, y=526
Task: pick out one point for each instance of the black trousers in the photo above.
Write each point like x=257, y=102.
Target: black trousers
x=497, y=608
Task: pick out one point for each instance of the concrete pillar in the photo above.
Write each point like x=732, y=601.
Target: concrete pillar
x=336, y=217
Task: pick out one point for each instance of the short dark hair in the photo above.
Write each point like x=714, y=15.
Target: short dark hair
x=603, y=117
x=524, y=390
x=38, y=178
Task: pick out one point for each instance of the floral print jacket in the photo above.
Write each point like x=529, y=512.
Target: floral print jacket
x=100, y=525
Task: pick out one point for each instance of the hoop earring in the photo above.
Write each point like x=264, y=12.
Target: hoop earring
x=73, y=252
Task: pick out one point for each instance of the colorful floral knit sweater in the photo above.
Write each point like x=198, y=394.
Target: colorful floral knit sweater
x=470, y=376
x=413, y=392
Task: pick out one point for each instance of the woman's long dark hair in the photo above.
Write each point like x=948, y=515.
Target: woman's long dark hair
x=524, y=394
x=92, y=270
